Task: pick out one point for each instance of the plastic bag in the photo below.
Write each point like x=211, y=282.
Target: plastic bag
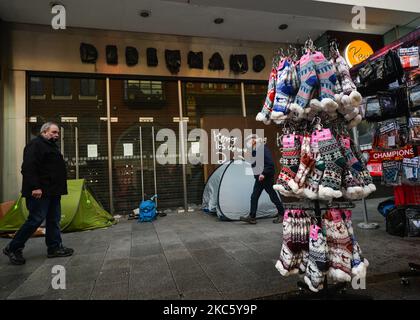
x=391, y=173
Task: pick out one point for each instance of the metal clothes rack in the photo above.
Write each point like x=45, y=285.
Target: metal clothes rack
x=336, y=291
x=410, y=39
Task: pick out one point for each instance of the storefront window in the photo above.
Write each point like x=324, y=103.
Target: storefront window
x=254, y=98
x=62, y=88
x=88, y=88
x=144, y=91
x=37, y=88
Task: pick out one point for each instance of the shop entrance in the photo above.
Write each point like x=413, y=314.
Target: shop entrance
x=114, y=146
x=137, y=173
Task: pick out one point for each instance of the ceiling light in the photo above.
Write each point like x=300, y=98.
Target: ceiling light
x=283, y=26
x=145, y=13
x=219, y=20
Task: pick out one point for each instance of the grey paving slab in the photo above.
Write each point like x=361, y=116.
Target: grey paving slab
x=247, y=256
x=185, y=267
x=208, y=294
x=113, y=276
x=399, y=291
x=118, y=254
x=229, y=276
x=112, y=291
x=82, y=274
x=30, y=288
x=177, y=253
x=71, y=292
x=199, y=244
x=194, y=282
x=146, y=249
x=8, y=269
x=115, y=264
x=92, y=248
x=86, y=259
x=172, y=245
x=152, y=287
x=263, y=269
x=9, y=283
x=147, y=264
x=211, y=255
x=35, y=297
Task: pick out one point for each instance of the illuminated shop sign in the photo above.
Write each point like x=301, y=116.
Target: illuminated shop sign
x=357, y=51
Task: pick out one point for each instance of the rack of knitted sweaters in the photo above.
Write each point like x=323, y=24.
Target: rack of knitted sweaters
x=314, y=102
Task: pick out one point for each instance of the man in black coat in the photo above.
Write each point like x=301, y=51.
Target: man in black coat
x=44, y=182
x=264, y=180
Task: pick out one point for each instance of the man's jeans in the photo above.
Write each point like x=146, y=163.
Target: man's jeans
x=46, y=208
x=267, y=185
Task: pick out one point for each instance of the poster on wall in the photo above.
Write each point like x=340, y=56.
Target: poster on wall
x=92, y=150
x=128, y=149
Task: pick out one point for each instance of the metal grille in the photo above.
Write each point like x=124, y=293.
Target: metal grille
x=81, y=128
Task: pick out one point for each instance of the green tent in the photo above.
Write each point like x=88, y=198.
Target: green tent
x=79, y=211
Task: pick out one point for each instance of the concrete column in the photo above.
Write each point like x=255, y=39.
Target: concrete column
x=14, y=132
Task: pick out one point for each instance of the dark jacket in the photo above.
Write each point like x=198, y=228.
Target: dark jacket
x=43, y=168
x=269, y=168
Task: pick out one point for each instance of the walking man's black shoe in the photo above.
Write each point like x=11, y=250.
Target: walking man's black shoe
x=16, y=257
x=248, y=219
x=60, y=252
x=279, y=219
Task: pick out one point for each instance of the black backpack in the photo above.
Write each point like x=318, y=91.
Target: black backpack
x=393, y=69
x=396, y=222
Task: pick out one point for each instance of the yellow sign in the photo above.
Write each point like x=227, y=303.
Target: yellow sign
x=357, y=51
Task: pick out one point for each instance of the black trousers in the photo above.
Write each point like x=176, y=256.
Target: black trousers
x=267, y=185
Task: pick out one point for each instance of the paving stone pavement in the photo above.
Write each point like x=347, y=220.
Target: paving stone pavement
x=194, y=256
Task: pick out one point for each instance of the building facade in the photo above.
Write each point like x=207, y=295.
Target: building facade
x=110, y=115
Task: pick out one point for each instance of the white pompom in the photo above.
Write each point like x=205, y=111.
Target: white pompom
x=356, y=98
